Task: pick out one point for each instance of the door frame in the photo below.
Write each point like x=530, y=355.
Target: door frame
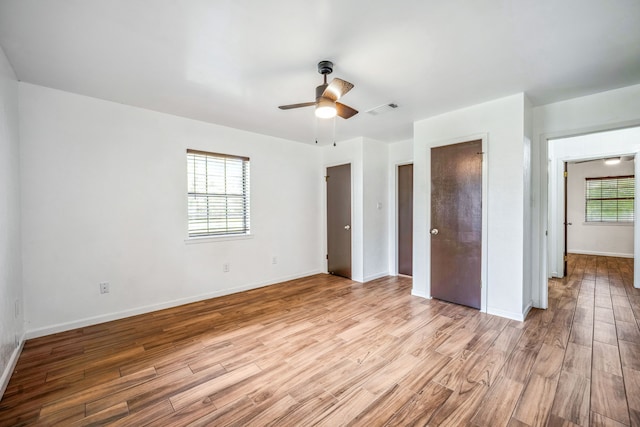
x=484, y=137
x=355, y=274
x=548, y=206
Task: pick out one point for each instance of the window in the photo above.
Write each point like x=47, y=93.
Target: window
x=609, y=199
x=218, y=194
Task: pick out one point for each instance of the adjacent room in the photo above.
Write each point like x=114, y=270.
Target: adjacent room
x=330, y=213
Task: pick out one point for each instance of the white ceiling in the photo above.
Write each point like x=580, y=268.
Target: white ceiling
x=232, y=62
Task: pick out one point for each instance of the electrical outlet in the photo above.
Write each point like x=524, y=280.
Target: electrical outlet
x=104, y=287
x=274, y=260
x=225, y=267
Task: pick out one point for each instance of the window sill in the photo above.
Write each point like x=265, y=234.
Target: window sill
x=609, y=224
x=212, y=239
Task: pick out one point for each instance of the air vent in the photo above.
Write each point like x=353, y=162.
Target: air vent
x=381, y=109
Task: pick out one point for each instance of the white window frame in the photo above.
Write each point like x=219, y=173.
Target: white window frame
x=214, y=210
x=617, y=197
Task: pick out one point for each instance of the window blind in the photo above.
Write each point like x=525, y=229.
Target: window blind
x=218, y=194
x=610, y=199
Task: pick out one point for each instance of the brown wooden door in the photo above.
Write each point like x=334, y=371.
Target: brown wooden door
x=405, y=220
x=339, y=220
x=456, y=223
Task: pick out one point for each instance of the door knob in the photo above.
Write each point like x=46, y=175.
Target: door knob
x=434, y=231
x=347, y=227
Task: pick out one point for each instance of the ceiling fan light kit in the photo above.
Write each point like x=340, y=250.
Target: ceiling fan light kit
x=325, y=108
x=327, y=95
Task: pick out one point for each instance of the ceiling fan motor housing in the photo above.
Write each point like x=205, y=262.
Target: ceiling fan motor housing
x=325, y=67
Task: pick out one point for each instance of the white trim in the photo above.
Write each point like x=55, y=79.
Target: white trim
x=613, y=254
x=417, y=293
x=485, y=224
x=375, y=276
x=61, y=327
x=509, y=314
x=11, y=366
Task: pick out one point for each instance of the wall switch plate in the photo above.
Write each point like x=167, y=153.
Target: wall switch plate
x=274, y=260
x=104, y=287
x=225, y=267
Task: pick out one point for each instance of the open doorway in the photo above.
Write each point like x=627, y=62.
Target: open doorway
x=600, y=207
x=623, y=143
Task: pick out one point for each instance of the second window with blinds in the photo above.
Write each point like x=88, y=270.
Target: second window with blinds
x=218, y=194
x=609, y=199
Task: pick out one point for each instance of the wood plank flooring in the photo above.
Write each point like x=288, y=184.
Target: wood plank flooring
x=327, y=351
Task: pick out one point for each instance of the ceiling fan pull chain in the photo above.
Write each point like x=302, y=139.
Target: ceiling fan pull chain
x=315, y=128
x=334, y=131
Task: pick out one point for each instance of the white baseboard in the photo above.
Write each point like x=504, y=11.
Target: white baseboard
x=612, y=254
x=509, y=314
x=420, y=294
x=8, y=370
x=81, y=323
x=527, y=310
x=375, y=276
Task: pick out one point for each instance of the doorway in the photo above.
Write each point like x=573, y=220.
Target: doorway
x=405, y=220
x=338, y=181
x=599, y=207
x=605, y=143
x=456, y=223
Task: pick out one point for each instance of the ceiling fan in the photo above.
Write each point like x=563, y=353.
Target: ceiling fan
x=327, y=95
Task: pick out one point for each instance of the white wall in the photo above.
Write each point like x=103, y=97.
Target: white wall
x=375, y=209
x=11, y=322
x=400, y=153
x=595, y=238
x=503, y=123
x=603, y=111
x=104, y=199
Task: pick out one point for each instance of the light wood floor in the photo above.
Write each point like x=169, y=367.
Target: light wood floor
x=327, y=351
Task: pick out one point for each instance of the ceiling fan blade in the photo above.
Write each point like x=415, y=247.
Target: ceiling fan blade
x=336, y=89
x=290, y=106
x=345, y=111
